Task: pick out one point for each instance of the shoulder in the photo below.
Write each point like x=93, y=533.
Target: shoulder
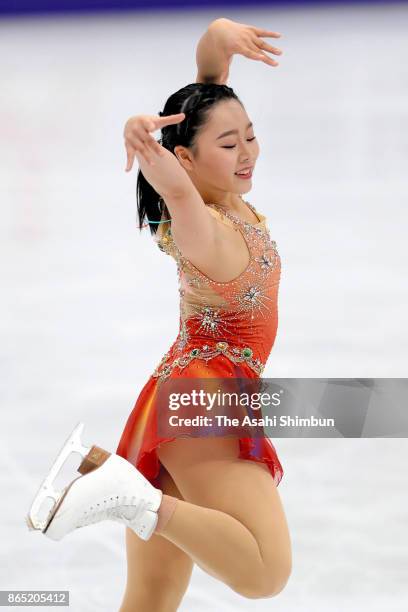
x=166, y=243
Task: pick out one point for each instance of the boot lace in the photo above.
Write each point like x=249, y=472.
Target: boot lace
x=125, y=509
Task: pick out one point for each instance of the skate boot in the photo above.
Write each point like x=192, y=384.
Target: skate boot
x=110, y=488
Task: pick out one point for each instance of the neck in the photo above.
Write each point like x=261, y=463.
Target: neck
x=233, y=204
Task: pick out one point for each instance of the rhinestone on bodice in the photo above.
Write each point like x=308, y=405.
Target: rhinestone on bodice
x=237, y=318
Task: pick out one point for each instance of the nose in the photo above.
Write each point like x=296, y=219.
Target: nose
x=245, y=152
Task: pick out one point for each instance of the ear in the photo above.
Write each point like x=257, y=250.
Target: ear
x=184, y=157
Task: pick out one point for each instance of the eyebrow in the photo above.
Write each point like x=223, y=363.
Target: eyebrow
x=232, y=131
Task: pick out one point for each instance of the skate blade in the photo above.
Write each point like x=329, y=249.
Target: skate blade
x=94, y=459
x=72, y=445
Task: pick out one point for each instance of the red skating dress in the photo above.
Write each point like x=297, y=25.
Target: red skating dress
x=226, y=329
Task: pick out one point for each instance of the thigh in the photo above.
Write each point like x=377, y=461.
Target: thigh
x=208, y=472
x=157, y=563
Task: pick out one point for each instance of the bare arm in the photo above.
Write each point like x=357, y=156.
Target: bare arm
x=192, y=227
x=212, y=60
x=223, y=39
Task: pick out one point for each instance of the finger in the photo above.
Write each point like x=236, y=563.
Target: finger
x=146, y=154
x=141, y=151
x=140, y=138
x=130, y=158
x=154, y=146
x=269, y=60
x=149, y=126
x=265, y=58
x=265, y=47
x=170, y=119
x=139, y=134
x=151, y=143
x=267, y=33
x=251, y=54
x=158, y=148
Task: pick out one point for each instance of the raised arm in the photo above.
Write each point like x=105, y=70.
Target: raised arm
x=222, y=40
x=192, y=226
x=212, y=60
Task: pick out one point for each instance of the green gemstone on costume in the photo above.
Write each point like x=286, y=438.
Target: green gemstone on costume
x=216, y=306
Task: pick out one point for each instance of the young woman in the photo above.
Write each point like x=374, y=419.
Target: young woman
x=206, y=500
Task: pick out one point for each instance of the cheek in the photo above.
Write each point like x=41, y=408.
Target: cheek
x=227, y=162
x=222, y=163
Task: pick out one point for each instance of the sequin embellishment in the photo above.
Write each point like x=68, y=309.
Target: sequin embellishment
x=236, y=354
x=215, y=310
x=210, y=321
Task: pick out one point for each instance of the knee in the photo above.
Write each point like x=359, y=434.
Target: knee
x=266, y=585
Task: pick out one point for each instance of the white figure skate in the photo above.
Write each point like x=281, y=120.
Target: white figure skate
x=110, y=488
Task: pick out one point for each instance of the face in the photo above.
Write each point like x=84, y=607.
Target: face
x=219, y=156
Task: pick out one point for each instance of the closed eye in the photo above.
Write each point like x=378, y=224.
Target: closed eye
x=232, y=146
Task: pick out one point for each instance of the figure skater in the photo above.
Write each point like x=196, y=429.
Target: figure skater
x=206, y=500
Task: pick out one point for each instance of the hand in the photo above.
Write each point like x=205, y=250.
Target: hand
x=138, y=139
x=242, y=39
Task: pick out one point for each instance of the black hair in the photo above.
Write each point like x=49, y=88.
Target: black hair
x=195, y=100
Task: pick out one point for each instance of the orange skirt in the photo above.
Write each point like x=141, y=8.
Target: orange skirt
x=139, y=440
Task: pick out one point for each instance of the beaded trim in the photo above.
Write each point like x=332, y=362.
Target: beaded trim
x=250, y=296
x=247, y=230
x=235, y=219
x=235, y=354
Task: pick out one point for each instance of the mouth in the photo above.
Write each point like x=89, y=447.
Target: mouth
x=247, y=174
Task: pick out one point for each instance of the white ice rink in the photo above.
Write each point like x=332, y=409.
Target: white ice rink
x=88, y=306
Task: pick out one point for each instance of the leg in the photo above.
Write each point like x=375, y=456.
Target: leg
x=158, y=572
x=232, y=523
